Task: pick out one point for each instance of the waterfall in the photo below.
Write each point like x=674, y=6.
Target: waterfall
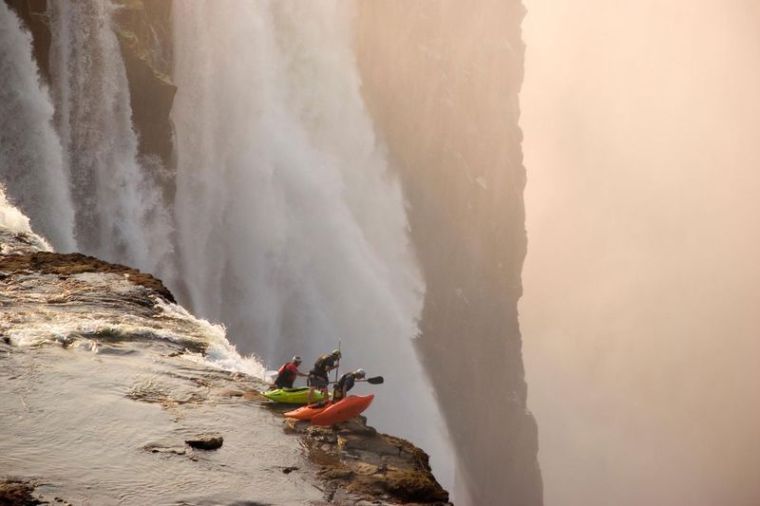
x=120, y=215
x=291, y=228
x=31, y=160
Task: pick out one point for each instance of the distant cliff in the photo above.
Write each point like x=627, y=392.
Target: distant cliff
x=442, y=83
x=145, y=36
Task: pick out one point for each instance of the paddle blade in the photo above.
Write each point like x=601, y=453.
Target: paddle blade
x=377, y=380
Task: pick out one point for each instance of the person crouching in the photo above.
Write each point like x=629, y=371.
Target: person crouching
x=346, y=383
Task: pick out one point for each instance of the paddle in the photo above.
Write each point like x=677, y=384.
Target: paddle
x=337, y=366
x=377, y=380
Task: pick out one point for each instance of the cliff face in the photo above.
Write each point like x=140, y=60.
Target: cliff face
x=34, y=15
x=145, y=34
x=144, y=31
x=441, y=80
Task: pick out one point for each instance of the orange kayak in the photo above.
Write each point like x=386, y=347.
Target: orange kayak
x=307, y=412
x=342, y=410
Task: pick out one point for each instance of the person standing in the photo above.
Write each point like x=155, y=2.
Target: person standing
x=318, y=375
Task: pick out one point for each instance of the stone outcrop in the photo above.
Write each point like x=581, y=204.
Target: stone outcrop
x=357, y=463
x=205, y=442
x=64, y=265
x=17, y=493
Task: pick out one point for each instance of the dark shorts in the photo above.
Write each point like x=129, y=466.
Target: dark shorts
x=317, y=381
x=284, y=383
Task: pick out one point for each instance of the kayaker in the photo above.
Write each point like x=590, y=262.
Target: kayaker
x=287, y=373
x=318, y=375
x=346, y=383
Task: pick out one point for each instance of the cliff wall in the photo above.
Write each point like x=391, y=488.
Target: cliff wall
x=145, y=35
x=442, y=79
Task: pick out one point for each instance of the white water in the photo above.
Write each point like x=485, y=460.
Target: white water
x=39, y=314
x=16, y=223
x=290, y=227
x=31, y=159
x=120, y=215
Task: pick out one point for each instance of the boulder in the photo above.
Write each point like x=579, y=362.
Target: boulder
x=206, y=442
x=16, y=493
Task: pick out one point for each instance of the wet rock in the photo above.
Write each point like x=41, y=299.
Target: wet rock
x=231, y=392
x=173, y=450
x=253, y=395
x=16, y=493
x=359, y=465
x=336, y=473
x=206, y=442
x=144, y=32
x=62, y=264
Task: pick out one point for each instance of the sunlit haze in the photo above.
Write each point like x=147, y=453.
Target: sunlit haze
x=640, y=314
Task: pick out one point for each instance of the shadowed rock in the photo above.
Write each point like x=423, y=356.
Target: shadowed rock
x=16, y=493
x=206, y=442
x=76, y=263
x=356, y=462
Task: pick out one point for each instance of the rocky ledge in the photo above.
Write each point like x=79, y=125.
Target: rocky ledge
x=15, y=492
x=108, y=332
x=358, y=465
x=65, y=265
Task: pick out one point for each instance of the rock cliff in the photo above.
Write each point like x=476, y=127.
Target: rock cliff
x=145, y=36
x=442, y=83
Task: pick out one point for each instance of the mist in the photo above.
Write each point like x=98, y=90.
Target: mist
x=640, y=311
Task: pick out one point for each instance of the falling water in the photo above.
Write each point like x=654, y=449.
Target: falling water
x=119, y=212
x=31, y=159
x=291, y=228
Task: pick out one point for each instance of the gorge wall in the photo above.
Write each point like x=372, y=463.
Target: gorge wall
x=145, y=38
x=441, y=79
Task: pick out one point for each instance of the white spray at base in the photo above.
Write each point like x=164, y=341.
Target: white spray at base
x=31, y=158
x=120, y=215
x=290, y=227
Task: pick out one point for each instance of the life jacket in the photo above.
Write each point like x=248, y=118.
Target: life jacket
x=286, y=374
x=346, y=382
x=322, y=364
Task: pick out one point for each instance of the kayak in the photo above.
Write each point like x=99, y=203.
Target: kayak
x=307, y=412
x=342, y=410
x=298, y=395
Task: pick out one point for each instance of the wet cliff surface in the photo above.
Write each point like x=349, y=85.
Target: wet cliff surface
x=441, y=80
x=114, y=395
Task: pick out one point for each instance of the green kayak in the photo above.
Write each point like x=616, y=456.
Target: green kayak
x=298, y=395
